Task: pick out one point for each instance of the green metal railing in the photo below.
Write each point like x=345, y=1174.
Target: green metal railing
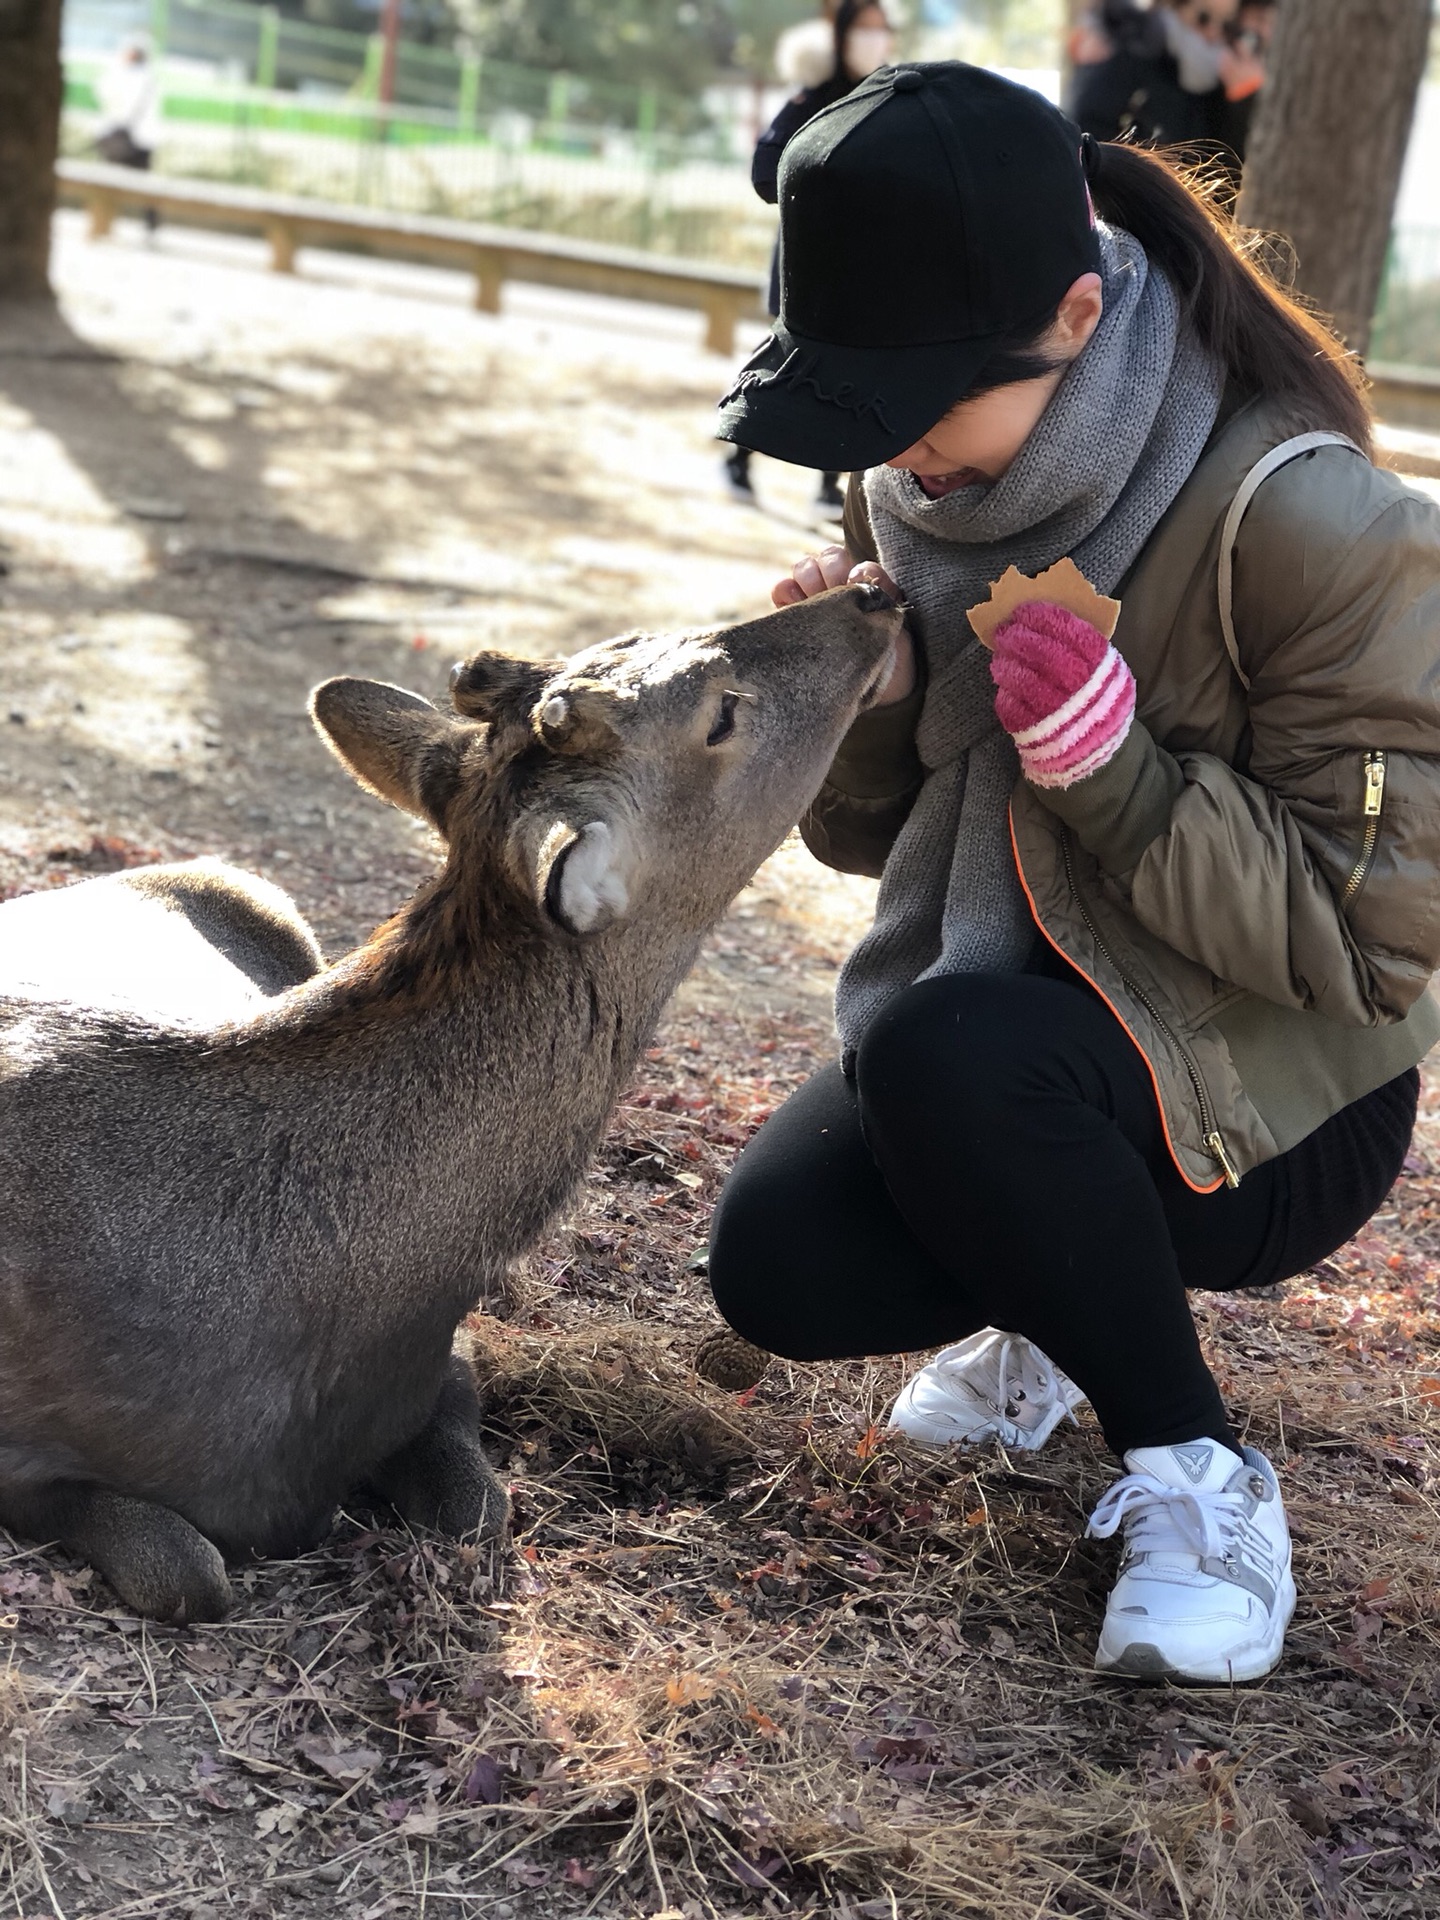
x=647, y=188
x=261, y=47
x=1407, y=319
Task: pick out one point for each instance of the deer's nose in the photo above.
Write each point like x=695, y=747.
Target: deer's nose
x=872, y=597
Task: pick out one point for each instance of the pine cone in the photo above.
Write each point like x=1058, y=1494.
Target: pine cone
x=730, y=1362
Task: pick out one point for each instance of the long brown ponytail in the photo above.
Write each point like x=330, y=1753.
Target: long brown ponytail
x=1266, y=340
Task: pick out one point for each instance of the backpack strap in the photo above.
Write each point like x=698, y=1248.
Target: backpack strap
x=1267, y=464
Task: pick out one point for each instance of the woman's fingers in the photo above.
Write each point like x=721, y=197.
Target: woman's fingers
x=872, y=571
x=834, y=564
x=831, y=567
x=816, y=573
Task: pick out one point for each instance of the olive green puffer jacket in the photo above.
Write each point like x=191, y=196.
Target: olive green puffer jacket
x=1253, y=882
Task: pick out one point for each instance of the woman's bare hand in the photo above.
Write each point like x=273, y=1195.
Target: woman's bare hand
x=833, y=567
x=816, y=573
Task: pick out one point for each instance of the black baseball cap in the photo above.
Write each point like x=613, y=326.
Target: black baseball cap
x=925, y=217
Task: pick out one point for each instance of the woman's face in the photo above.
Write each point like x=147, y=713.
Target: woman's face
x=977, y=440
x=869, y=43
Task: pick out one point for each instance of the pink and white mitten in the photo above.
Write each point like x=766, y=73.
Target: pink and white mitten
x=1063, y=693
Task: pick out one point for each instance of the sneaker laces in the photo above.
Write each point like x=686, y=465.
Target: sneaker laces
x=1012, y=1391
x=1161, y=1519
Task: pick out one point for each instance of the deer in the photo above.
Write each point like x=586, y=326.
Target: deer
x=249, y=1197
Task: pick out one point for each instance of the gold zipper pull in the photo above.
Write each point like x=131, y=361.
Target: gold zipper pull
x=1216, y=1147
x=1374, y=784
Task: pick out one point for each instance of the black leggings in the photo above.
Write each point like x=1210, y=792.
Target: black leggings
x=999, y=1160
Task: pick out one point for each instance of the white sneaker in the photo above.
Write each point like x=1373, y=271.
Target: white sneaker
x=1205, y=1590
x=993, y=1386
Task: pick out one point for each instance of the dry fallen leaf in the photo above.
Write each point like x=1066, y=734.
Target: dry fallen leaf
x=688, y=1689
x=1062, y=585
x=282, y=1818
x=423, y=1825
x=345, y=1767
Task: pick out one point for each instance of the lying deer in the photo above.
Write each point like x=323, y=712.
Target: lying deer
x=246, y=1197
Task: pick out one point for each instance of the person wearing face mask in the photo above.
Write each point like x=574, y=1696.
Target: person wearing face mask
x=824, y=59
x=1146, y=991
x=1116, y=52
x=1188, y=96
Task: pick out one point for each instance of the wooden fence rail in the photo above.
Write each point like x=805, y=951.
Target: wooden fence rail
x=725, y=295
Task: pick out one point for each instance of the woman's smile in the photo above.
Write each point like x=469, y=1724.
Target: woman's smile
x=935, y=486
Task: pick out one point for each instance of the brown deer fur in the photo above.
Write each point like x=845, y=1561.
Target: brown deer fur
x=248, y=1197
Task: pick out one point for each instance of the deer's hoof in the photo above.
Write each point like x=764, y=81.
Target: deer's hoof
x=167, y=1570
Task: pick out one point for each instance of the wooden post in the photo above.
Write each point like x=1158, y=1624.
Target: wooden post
x=489, y=279
x=283, y=245
x=101, y=207
x=720, y=322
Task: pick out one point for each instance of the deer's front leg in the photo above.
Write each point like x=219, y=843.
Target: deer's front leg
x=442, y=1478
x=154, y=1559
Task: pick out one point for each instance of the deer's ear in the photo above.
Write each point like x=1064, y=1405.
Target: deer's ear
x=494, y=686
x=585, y=876
x=394, y=743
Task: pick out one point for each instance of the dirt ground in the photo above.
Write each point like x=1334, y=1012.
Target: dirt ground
x=748, y=1656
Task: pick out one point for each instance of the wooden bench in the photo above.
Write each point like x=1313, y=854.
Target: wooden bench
x=725, y=295
x=1406, y=396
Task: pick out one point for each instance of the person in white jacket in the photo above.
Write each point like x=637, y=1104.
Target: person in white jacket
x=129, y=91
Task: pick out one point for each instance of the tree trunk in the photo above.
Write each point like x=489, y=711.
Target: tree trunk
x=30, y=90
x=1323, y=164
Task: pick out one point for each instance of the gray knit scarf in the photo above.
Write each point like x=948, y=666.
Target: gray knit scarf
x=1111, y=451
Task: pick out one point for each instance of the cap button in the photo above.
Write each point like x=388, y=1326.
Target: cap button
x=907, y=80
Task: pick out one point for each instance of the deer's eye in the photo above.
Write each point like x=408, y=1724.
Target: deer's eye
x=725, y=722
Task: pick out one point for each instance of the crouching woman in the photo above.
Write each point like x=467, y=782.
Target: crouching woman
x=1145, y=994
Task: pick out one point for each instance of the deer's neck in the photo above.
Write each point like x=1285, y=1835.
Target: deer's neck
x=455, y=1100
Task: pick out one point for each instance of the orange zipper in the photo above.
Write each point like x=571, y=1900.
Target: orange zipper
x=1216, y=1146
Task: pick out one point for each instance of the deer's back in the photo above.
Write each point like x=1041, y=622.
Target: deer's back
x=190, y=945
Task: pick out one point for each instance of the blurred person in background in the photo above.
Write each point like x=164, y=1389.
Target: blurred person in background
x=1115, y=52
x=1242, y=75
x=1186, y=107
x=824, y=59
x=129, y=90
x=1155, y=72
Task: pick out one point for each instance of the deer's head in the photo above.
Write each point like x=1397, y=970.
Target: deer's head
x=647, y=776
